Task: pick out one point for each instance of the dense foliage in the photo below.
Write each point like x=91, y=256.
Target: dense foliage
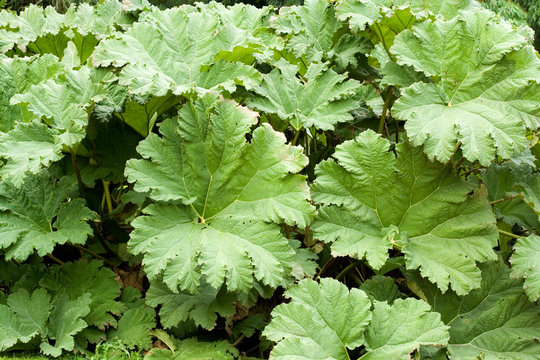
x=327, y=181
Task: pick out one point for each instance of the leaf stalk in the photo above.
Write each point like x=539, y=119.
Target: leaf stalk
x=55, y=259
x=107, y=196
x=514, y=236
x=97, y=256
x=350, y=267
x=506, y=198
x=385, y=109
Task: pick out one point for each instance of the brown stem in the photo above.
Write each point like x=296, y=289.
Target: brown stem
x=506, y=198
x=239, y=340
x=325, y=266
x=97, y=256
x=385, y=109
x=350, y=267
x=55, y=259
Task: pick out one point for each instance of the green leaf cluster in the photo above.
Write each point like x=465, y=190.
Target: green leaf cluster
x=333, y=180
x=66, y=307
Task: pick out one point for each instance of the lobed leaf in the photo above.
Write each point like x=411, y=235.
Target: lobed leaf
x=323, y=320
x=24, y=317
x=526, y=264
x=65, y=322
x=483, y=90
x=150, y=50
x=226, y=222
x=322, y=100
x=192, y=349
x=373, y=201
x=202, y=308
x=41, y=214
x=496, y=321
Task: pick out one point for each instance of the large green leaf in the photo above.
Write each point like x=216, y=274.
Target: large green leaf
x=41, y=214
x=526, y=264
x=504, y=183
x=373, y=201
x=242, y=16
x=363, y=13
x=483, y=92
x=396, y=330
x=90, y=24
x=168, y=53
x=322, y=99
x=31, y=310
x=81, y=277
x=63, y=104
x=100, y=20
x=229, y=193
x=24, y=317
x=65, y=322
x=133, y=327
x=320, y=322
x=203, y=308
x=16, y=76
x=315, y=34
x=323, y=320
x=496, y=321
x=39, y=30
x=192, y=349
x=27, y=148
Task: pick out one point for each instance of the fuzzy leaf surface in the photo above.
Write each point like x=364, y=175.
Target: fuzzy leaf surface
x=41, y=214
x=24, y=317
x=230, y=195
x=16, y=76
x=496, y=321
x=526, y=264
x=65, y=322
x=323, y=320
x=396, y=330
x=173, y=51
x=314, y=33
x=78, y=278
x=323, y=99
x=35, y=28
x=133, y=327
x=373, y=201
x=364, y=13
x=63, y=105
x=202, y=308
x=484, y=90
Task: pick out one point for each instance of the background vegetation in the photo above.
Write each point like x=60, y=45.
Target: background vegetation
x=520, y=11
x=362, y=89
